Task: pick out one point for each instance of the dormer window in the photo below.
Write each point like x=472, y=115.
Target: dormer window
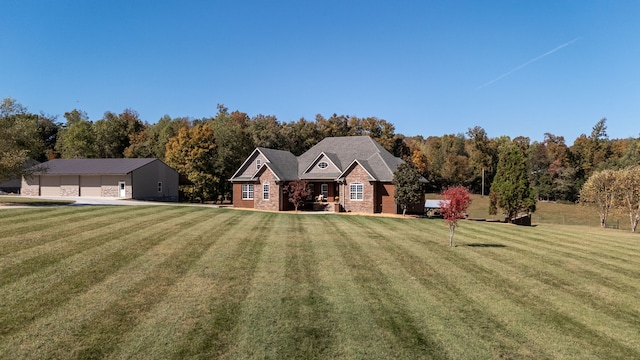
x=258, y=164
x=323, y=164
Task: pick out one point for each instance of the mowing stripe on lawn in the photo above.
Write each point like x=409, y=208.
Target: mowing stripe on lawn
x=355, y=331
x=103, y=333
x=261, y=326
x=59, y=245
x=183, y=308
x=41, y=232
x=29, y=262
x=211, y=283
x=578, y=271
x=35, y=220
x=575, y=276
x=495, y=281
x=76, y=274
x=216, y=330
x=65, y=333
x=601, y=312
x=606, y=273
x=586, y=289
x=39, y=219
x=286, y=315
x=597, y=250
x=9, y=214
x=601, y=345
x=305, y=308
x=503, y=341
x=384, y=303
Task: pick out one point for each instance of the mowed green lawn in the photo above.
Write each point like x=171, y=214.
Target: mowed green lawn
x=167, y=282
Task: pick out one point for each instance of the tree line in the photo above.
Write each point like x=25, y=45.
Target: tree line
x=209, y=150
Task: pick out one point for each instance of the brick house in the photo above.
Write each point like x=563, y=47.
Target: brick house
x=352, y=173
x=139, y=178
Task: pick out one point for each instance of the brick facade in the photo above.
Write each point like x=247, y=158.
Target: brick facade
x=366, y=205
x=385, y=200
x=237, y=197
x=273, y=202
x=335, y=163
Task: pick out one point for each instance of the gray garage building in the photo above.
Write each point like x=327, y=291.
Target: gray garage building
x=142, y=179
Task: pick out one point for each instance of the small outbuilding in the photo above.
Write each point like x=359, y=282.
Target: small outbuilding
x=432, y=207
x=136, y=178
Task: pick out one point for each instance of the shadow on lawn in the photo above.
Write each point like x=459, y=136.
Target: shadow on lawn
x=486, y=245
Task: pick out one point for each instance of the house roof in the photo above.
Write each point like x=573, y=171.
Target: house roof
x=94, y=166
x=282, y=163
x=341, y=151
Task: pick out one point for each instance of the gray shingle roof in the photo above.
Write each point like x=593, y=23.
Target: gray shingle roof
x=94, y=166
x=342, y=151
x=283, y=163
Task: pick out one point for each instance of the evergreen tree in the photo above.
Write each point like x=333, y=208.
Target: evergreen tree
x=510, y=190
x=407, y=186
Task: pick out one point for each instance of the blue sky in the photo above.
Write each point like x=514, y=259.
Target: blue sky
x=429, y=67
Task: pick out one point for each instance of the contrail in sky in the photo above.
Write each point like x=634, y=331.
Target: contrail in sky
x=529, y=62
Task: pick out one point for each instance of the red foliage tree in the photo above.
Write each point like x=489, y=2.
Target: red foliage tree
x=298, y=191
x=454, y=204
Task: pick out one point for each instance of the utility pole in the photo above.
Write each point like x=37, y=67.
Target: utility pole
x=482, y=183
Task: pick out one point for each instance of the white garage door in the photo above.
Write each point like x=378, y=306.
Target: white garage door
x=50, y=185
x=90, y=186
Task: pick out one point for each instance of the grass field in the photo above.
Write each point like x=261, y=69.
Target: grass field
x=549, y=212
x=189, y=282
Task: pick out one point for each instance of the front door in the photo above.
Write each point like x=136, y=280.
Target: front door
x=122, y=190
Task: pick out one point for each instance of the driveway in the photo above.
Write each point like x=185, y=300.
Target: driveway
x=98, y=200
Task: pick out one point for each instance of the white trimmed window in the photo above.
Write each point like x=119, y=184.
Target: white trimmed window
x=159, y=186
x=258, y=164
x=323, y=165
x=247, y=191
x=265, y=191
x=324, y=190
x=356, y=191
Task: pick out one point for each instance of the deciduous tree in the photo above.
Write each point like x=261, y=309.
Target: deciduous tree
x=77, y=139
x=151, y=141
x=483, y=158
x=627, y=184
x=234, y=144
x=600, y=190
x=18, y=138
x=454, y=205
x=113, y=133
x=266, y=131
x=193, y=153
x=298, y=191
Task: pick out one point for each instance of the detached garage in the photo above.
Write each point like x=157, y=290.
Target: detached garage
x=142, y=179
